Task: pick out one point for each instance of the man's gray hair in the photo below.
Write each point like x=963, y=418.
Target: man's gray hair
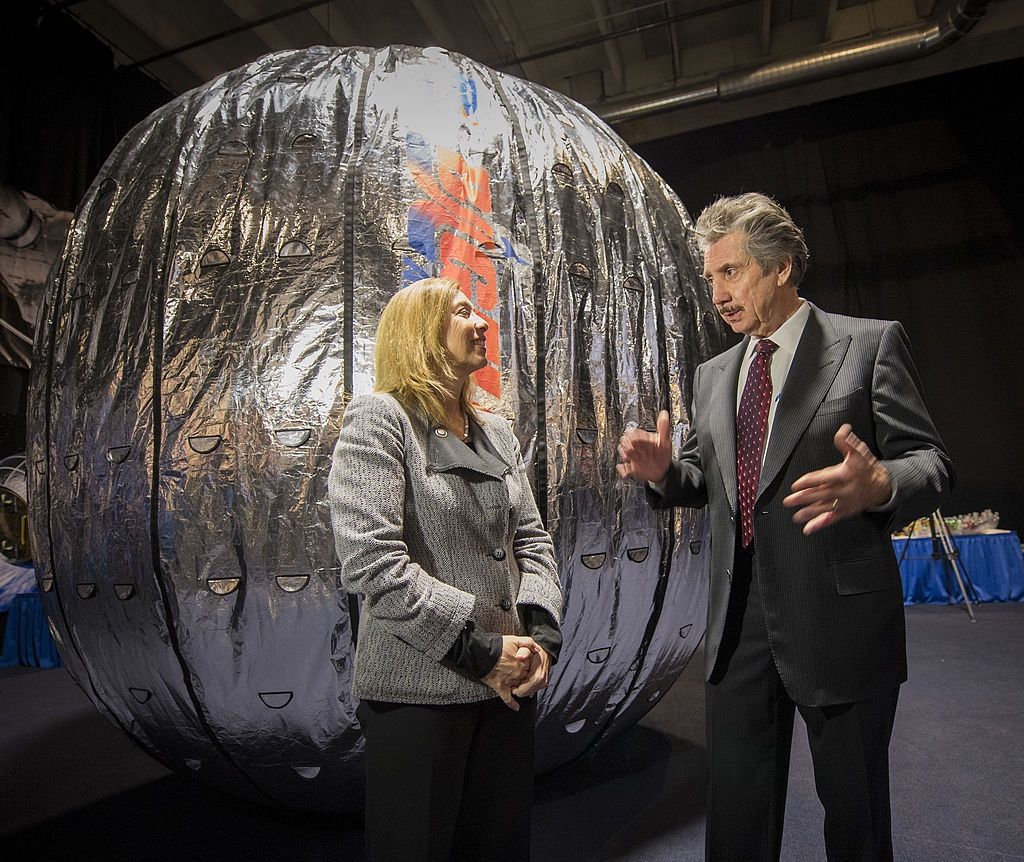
x=772, y=236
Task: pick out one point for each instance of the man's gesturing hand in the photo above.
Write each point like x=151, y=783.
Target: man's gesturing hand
x=645, y=456
x=859, y=481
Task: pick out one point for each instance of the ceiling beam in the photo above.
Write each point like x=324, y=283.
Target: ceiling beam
x=244, y=27
x=293, y=31
x=332, y=17
x=511, y=34
x=611, y=46
x=766, y=28
x=826, y=15
x=677, y=53
x=129, y=40
x=616, y=34
x=436, y=23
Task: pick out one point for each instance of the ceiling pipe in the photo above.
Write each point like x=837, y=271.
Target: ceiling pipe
x=842, y=58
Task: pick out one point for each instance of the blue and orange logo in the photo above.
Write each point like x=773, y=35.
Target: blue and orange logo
x=451, y=229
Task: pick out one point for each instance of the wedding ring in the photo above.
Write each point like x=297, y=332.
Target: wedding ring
x=835, y=504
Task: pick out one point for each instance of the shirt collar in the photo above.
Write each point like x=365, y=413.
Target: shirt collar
x=788, y=335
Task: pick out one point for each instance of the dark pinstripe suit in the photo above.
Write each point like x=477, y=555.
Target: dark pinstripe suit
x=824, y=625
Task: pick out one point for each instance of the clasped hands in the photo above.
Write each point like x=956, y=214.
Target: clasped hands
x=821, y=497
x=522, y=669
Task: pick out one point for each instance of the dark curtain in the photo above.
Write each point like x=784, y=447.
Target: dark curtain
x=910, y=198
x=65, y=105
x=13, y=397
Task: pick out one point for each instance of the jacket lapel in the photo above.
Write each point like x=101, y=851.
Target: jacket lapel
x=817, y=360
x=445, y=452
x=722, y=419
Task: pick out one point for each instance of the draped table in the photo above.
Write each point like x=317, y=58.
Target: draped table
x=992, y=561
x=27, y=639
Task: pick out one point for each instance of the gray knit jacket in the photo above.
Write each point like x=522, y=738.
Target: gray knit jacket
x=432, y=536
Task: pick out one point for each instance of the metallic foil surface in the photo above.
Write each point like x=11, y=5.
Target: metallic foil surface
x=214, y=306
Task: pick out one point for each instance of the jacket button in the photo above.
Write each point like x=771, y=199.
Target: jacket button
x=498, y=553
x=506, y=605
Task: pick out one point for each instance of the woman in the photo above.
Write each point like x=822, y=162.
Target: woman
x=437, y=529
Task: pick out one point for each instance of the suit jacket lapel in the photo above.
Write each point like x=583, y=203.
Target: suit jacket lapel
x=722, y=418
x=816, y=363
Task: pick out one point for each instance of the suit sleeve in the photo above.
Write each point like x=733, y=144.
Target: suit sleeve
x=684, y=482
x=366, y=489
x=908, y=444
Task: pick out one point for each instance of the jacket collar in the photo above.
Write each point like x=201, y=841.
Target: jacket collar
x=722, y=420
x=816, y=363
x=447, y=452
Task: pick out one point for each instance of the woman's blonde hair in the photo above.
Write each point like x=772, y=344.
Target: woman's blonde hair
x=410, y=359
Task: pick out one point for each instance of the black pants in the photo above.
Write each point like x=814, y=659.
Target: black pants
x=749, y=732
x=450, y=782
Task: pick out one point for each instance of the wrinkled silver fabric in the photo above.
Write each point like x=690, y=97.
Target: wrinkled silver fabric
x=217, y=300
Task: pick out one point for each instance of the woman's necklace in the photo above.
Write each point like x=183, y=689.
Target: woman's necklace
x=462, y=434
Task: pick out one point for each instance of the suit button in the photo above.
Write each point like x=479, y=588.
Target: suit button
x=498, y=553
x=506, y=605
x=728, y=574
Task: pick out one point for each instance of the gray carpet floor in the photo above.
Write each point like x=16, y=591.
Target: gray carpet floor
x=71, y=786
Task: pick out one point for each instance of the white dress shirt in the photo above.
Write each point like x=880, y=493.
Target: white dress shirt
x=787, y=337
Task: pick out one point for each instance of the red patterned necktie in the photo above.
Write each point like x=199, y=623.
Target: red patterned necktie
x=751, y=425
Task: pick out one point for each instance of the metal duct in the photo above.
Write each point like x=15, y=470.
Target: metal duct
x=840, y=59
x=32, y=234
x=19, y=225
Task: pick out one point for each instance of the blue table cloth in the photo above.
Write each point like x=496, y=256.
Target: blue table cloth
x=27, y=639
x=15, y=578
x=993, y=563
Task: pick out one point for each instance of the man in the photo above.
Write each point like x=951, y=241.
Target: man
x=810, y=442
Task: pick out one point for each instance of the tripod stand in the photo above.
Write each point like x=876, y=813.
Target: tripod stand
x=944, y=549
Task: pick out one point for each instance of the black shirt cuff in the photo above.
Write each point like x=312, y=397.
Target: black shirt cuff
x=474, y=653
x=541, y=626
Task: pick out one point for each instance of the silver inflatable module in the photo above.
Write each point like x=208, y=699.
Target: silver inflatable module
x=217, y=300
